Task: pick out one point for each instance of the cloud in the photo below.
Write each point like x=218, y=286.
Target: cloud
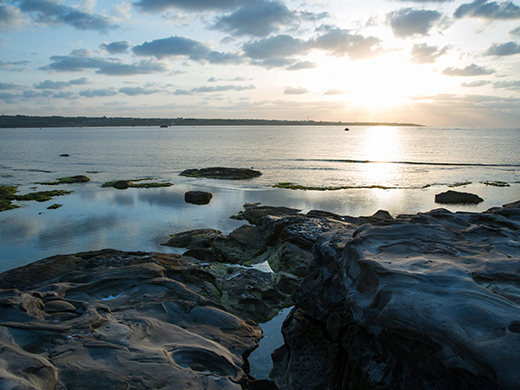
x=468, y=71
x=488, y=10
x=302, y=65
x=503, y=49
x=188, y=5
x=14, y=66
x=222, y=88
x=5, y=86
x=115, y=47
x=80, y=61
x=509, y=85
x=81, y=81
x=49, y=84
x=53, y=13
x=422, y=53
x=476, y=83
x=334, y=92
x=29, y=94
x=97, y=93
x=276, y=47
x=181, y=46
x=514, y=32
x=214, y=80
x=11, y=19
x=408, y=22
x=261, y=18
x=295, y=91
x=134, y=91
x=122, y=10
x=339, y=42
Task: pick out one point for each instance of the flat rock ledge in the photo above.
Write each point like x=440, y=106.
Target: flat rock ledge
x=429, y=301
x=222, y=173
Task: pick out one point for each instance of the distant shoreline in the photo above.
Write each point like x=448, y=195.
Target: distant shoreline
x=24, y=121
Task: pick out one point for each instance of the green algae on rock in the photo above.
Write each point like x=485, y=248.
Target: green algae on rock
x=124, y=184
x=68, y=180
x=54, y=206
x=496, y=183
x=8, y=194
x=292, y=186
x=222, y=173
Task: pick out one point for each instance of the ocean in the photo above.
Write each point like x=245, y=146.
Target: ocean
x=398, y=169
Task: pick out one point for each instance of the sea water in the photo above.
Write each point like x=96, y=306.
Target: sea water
x=399, y=169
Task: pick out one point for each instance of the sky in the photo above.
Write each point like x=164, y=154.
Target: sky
x=437, y=62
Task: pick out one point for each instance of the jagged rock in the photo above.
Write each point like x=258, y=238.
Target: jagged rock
x=456, y=197
x=193, y=239
x=242, y=245
x=429, y=301
x=197, y=197
x=112, y=319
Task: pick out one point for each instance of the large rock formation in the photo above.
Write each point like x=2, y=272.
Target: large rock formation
x=116, y=320
x=222, y=173
x=429, y=301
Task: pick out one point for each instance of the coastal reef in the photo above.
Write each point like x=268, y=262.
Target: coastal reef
x=8, y=195
x=424, y=301
x=222, y=173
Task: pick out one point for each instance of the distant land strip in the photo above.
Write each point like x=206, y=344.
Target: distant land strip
x=19, y=121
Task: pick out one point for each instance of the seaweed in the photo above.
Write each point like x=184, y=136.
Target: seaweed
x=8, y=195
x=496, y=183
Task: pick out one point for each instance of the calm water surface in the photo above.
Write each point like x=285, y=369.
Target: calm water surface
x=410, y=164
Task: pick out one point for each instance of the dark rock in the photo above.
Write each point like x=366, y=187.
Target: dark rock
x=74, y=179
x=64, y=155
x=120, y=184
x=242, y=245
x=420, y=302
x=455, y=197
x=111, y=319
x=197, y=197
x=222, y=173
x=202, y=254
x=254, y=213
x=193, y=239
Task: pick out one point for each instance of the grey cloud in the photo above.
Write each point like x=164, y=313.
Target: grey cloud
x=182, y=92
x=97, y=92
x=408, y=22
x=49, y=94
x=222, y=88
x=503, y=49
x=279, y=46
x=54, y=13
x=180, y=46
x=509, y=85
x=78, y=62
x=14, y=66
x=422, y=53
x=5, y=86
x=214, y=80
x=514, y=32
x=302, y=65
x=10, y=18
x=339, y=42
x=80, y=81
x=488, y=10
x=49, y=84
x=476, y=83
x=470, y=70
x=134, y=91
x=188, y=5
x=262, y=17
x=295, y=91
x=8, y=97
x=115, y=47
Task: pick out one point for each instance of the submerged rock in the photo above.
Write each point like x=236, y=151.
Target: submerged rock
x=455, y=197
x=430, y=301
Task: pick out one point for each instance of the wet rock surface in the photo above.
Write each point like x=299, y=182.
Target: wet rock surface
x=456, y=197
x=429, y=301
x=197, y=197
x=222, y=173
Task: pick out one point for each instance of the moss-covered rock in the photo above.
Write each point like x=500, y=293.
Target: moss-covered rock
x=67, y=180
x=222, y=173
x=135, y=183
x=8, y=195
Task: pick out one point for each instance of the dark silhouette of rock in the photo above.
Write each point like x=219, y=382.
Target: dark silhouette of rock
x=197, y=197
x=222, y=173
x=455, y=197
x=64, y=155
x=120, y=184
